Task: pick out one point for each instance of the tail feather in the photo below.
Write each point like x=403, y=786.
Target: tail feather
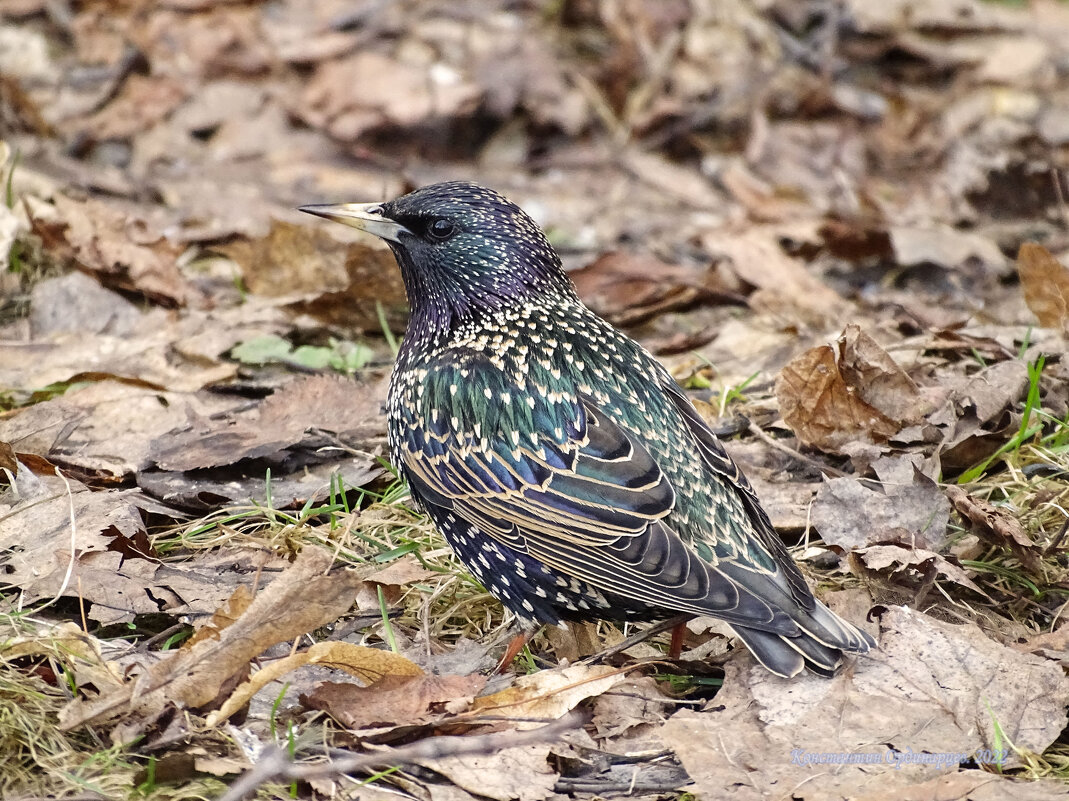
x=823, y=638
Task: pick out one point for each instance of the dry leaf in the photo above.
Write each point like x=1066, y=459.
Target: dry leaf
x=283, y=420
x=122, y=250
x=303, y=598
x=757, y=258
x=1045, y=284
x=630, y=288
x=512, y=774
x=904, y=507
x=549, y=694
x=861, y=396
x=224, y=616
x=369, y=664
x=395, y=700
x=932, y=688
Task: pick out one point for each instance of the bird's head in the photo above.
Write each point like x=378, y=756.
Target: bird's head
x=464, y=250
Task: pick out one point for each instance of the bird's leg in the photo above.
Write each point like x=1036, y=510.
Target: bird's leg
x=645, y=634
x=515, y=646
x=679, y=633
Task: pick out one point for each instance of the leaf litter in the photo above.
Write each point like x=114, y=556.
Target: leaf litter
x=811, y=215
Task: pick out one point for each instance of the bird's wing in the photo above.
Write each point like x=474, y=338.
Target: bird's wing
x=555, y=478
x=723, y=467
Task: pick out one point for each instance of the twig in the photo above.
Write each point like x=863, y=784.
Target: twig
x=819, y=466
x=275, y=764
x=636, y=638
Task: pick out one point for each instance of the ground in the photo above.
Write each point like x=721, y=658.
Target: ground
x=843, y=228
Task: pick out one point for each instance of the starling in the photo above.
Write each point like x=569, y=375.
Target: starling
x=559, y=459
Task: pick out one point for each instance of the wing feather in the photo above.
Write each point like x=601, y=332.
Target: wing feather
x=588, y=500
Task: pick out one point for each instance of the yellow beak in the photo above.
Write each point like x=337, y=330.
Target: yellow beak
x=364, y=216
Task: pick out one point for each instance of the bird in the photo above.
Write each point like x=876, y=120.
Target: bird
x=560, y=460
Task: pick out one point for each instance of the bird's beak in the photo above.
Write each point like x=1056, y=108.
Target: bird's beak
x=365, y=216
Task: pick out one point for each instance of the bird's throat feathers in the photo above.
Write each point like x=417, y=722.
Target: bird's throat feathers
x=447, y=290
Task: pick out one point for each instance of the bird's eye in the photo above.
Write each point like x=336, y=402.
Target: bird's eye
x=441, y=229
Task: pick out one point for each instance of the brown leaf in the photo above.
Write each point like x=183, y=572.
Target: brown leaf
x=122, y=250
x=223, y=617
x=520, y=773
x=309, y=260
x=142, y=102
x=106, y=429
x=55, y=527
x=303, y=598
x=368, y=664
x=785, y=285
x=944, y=246
x=392, y=93
x=286, y=418
x=932, y=688
x=630, y=288
x=995, y=524
x=1045, y=284
x=394, y=700
x=821, y=408
x=881, y=557
x=863, y=396
x=406, y=570
x=878, y=379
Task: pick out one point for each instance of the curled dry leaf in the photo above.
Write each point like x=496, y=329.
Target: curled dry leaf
x=1045, y=284
x=994, y=523
x=861, y=396
x=395, y=700
x=931, y=689
x=369, y=664
x=549, y=694
x=303, y=598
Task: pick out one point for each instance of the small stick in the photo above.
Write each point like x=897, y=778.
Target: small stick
x=275, y=764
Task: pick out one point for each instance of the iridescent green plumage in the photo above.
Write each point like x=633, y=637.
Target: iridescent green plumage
x=558, y=457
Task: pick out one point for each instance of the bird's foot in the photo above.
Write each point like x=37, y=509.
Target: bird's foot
x=516, y=645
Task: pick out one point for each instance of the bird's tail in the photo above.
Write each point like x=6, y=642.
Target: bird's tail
x=823, y=637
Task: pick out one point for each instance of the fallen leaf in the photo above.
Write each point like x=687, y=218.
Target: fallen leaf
x=301, y=599
x=821, y=408
x=862, y=395
x=637, y=702
x=1045, y=284
x=628, y=288
x=76, y=303
x=406, y=570
x=107, y=428
x=395, y=700
x=904, y=507
x=757, y=258
x=392, y=93
x=995, y=523
x=224, y=616
x=880, y=557
x=944, y=246
x=549, y=694
x=932, y=691
x=878, y=379
x=369, y=664
x=284, y=419
x=122, y=250
x=520, y=773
